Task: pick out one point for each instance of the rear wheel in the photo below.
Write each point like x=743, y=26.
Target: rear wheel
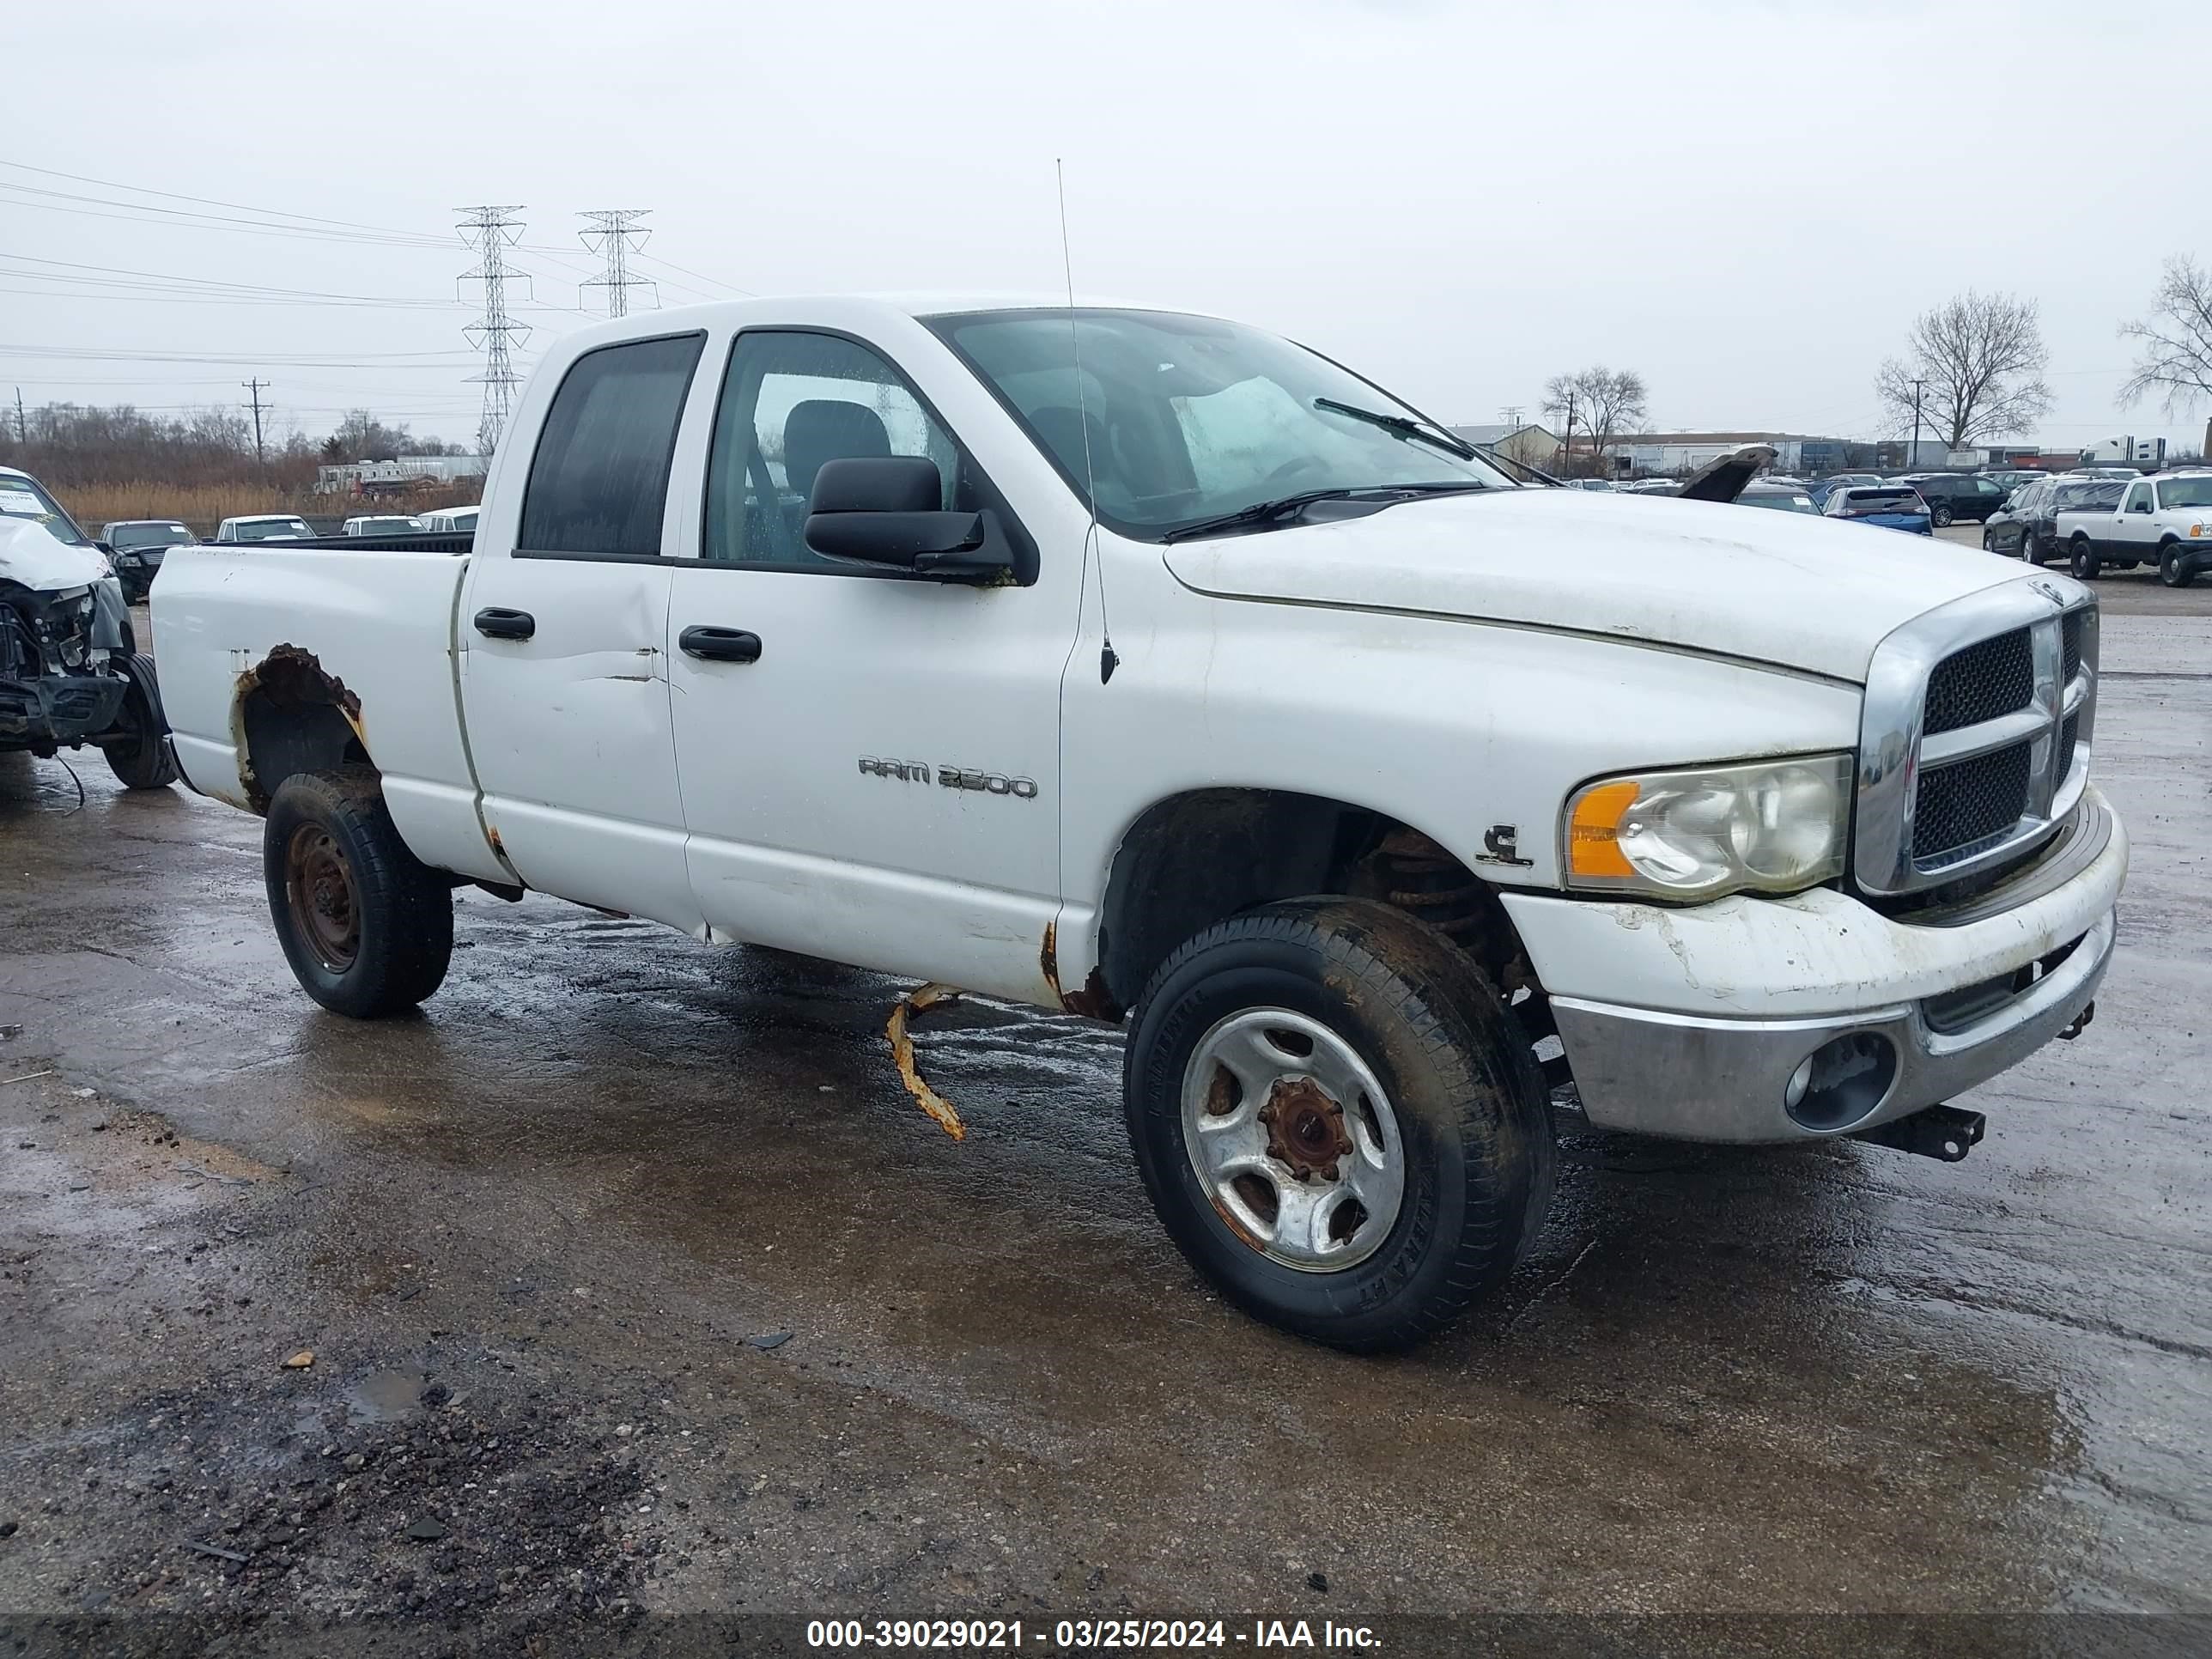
x=1941, y=514
x=2027, y=545
x=2082, y=561
x=2171, y=569
x=367, y=926
x=138, y=750
x=1338, y=1121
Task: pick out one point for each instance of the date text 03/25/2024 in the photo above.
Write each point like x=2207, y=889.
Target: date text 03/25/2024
x=1085, y=1635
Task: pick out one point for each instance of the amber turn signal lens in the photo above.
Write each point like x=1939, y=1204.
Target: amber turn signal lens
x=1593, y=835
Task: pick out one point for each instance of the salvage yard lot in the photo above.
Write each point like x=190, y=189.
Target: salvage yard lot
x=632, y=1278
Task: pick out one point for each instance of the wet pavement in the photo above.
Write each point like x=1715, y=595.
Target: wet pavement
x=633, y=1278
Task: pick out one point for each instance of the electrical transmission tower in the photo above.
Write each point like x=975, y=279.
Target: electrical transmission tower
x=613, y=234
x=491, y=231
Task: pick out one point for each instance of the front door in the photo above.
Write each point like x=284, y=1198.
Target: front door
x=870, y=761
x=564, y=679
x=2135, y=529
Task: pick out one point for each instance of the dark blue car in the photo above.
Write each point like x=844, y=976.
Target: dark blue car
x=1894, y=507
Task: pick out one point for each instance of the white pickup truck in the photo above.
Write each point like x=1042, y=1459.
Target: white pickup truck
x=1150, y=666
x=2164, y=520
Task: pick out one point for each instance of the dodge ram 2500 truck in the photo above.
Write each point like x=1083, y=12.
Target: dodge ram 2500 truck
x=2164, y=520
x=1152, y=668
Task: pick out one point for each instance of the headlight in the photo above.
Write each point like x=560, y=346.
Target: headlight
x=1774, y=826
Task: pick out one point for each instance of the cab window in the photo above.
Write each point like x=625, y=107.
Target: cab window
x=599, y=484
x=791, y=402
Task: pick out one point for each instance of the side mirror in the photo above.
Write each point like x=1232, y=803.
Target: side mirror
x=105, y=547
x=883, y=509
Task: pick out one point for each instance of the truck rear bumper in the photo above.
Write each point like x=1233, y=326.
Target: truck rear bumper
x=61, y=710
x=1693, y=1023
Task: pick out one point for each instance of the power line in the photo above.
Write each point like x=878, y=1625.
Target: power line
x=615, y=236
x=494, y=333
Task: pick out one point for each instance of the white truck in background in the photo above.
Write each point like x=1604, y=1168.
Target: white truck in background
x=2165, y=521
x=1211, y=688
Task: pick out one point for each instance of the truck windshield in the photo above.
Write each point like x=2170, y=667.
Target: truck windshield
x=2185, y=492
x=20, y=500
x=147, y=535
x=265, y=530
x=1185, y=419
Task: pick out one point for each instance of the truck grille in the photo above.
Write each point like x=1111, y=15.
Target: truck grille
x=1961, y=806
x=1994, y=678
x=1975, y=738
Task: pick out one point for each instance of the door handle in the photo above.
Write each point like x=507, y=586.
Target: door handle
x=720, y=644
x=496, y=622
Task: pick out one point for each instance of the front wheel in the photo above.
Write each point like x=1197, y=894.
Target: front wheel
x=138, y=750
x=367, y=926
x=1338, y=1121
x=2171, y=569
x=2084, y=563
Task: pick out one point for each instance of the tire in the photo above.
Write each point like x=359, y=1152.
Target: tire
x=1941, y=514
x=2171, y=570
x=2027, y=547
x=1385, y=1007
x=1988, y=540
x=2084, y=561
x=367, y=926
x=142, y=757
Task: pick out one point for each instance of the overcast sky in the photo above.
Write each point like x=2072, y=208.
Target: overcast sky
x=1746, y=202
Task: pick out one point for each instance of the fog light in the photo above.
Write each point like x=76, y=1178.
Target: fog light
x=1800, y=1080
x=1842, y=1083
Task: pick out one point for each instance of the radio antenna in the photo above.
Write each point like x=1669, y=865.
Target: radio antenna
x=1108, y=662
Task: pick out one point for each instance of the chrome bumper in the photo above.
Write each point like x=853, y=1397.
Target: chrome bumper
x=1691, y=1078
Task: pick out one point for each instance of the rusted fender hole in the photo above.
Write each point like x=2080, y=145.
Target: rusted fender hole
x=288, y=676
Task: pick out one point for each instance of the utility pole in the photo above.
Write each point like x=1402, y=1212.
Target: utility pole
x=1912, y=455
x=254, y=386
x=22, y=426
x=492, y=231
x=615, y=236
x=1568, y=437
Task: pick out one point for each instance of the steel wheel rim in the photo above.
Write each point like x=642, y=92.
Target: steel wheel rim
x=1299, y=1152
x=325, y=903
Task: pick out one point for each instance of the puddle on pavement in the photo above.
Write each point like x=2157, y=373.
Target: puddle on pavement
x=385, y=1396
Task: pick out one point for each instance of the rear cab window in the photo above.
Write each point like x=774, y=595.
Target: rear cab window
x=599, y=482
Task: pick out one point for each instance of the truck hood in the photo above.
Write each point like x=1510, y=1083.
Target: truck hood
x=1800, y=593
x=31, y=554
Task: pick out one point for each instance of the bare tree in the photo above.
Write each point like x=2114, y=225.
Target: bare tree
x=1977, y=363
x=1604, y=403
x=2176, y=359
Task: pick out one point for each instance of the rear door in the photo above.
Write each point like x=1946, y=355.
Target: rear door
x=873, y=777
x=564, y=682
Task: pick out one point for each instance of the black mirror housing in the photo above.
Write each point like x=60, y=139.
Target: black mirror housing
x=883, y=510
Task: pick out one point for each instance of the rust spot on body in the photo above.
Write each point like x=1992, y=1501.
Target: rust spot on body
x=1093, y=1001
x=288, y=676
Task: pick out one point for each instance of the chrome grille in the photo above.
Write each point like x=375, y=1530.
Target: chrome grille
x=1994, y=678
x=1961, y=806
x=1974, y=742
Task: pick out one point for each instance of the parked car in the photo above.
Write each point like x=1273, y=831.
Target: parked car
x=381, y=524
x=135, y=547
x=1652, y=487
x=1818, y=488
x=852, y=704
x=1952, y=496
x=264, y=527
x=1601, y=484
x=1790, y=497
x=2006, y=531
x=71, y=674
x=1891, y=506
x=451, y=521
x=2039, y=540
x=2166, y=520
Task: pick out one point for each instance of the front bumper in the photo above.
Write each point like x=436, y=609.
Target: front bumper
x=1689, y=1023
x=61, y=709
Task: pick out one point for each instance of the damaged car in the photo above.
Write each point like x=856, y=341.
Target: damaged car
x=71, y=671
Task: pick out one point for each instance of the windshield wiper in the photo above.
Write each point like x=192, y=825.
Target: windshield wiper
x=1282, y=507
x=1426, y=432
